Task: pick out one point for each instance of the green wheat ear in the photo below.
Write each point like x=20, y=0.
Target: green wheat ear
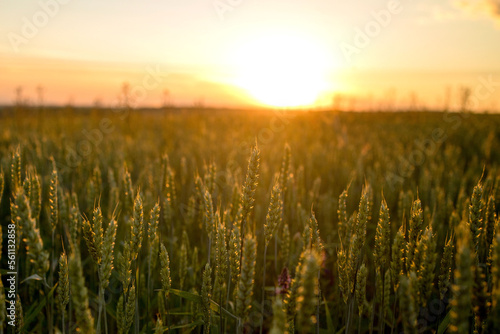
x=495, y=273
x=74, y=223
x=248, y=194
x=79, y=295
x=53, y=196
x=221, y=254
x=37, y=256
x=398, y=259
x=383, y=238
x=159, y=326
x=308, y=292
x=15, y=169
x=291, y=296
x=153, y=236
x=490, y=224
x=63, y=286
x=125, y=310
x=463, y=281
x=360, y=291
x=316, y=241
x=210, y=223
x=415, y=230
x=234, y=253
x=343, y=274
x=244, y=290
x=107, y=257
x=387, y=292
x=154, y=219
x=279, y=317
x=32, y=190
x=128, y=192
x=169, y=202
x=206, y=294
x=273, y=216
x=165, y=269
x=476, y=221
x=407, y=303
x=444, y=278
x=93, y=235
x=285, y=168
x=424, y=262
x=285, y=245
x=136, y=228
x=343, y=217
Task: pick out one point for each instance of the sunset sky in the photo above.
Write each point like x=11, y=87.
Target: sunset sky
x=359, y=54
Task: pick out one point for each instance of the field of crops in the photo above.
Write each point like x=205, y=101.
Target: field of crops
x=218, y=221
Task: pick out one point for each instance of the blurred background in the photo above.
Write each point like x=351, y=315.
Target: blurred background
x=377, y=55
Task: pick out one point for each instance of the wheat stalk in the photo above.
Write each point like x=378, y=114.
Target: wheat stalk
x=250, y=186
x=244, y=291
x=273, y=218
x=37, y=256
x=398, y=258
x=424, y=262
x=278, y=325
x=74, y=223
x=360, y=291
x=285, y=245
x=15, y=169
x=63, y=286
x=221, y=259
x=445, y=269
x=476, y=216
x=308, y=292
x=128, y=193
x=79, y=294
x=495, y=279
x=407, y=303
x=463, y=281
x=210, y=223
x=383, y=238
x=343, y=217
x=166, y=280
x=125, y=310
x=206, y=294
x=415, y=230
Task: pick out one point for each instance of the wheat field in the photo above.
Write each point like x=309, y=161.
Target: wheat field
x=222, y=221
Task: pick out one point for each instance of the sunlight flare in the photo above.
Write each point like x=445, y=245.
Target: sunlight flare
x=282, y=70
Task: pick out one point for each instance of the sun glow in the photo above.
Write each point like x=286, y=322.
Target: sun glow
x=282, y=70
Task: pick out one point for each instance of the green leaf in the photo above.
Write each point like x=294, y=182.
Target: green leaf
x=342, y=330
x=33, y=314
x=329, y=322
x=215, y=307
x=189, y=327
x=186, y=295
x=443, y=326
x=34, y=277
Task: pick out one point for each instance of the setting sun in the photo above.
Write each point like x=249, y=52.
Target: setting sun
x=282, y=70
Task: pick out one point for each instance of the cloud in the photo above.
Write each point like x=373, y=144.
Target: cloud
x=481, y=7
x=432, y=13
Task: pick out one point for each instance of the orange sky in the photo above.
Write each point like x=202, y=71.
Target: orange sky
x=381, y=54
